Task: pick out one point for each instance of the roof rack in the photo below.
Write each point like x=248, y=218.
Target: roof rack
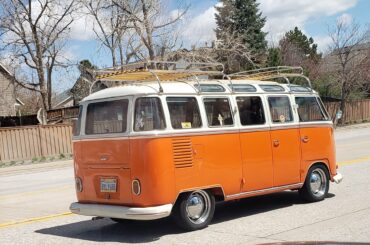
x=269, y=73
x=158, y=71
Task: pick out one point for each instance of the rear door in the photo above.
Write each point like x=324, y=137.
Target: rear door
x=104, y=146
x=316, y=132
x=285, y=141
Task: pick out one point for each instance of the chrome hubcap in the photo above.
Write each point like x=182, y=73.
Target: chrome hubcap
x=198, y=206
x=318, y=182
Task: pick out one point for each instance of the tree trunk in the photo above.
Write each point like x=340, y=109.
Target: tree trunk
x=49, y=88
x=114, y=62
x=342, y=107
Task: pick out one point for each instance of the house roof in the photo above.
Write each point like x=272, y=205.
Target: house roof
x=62, y=98
x=332, y=63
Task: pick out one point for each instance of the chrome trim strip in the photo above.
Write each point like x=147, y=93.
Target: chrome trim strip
x=316, y=125
x=202, y=133
x=259, y=129
x=294, y=126
x=263, y=191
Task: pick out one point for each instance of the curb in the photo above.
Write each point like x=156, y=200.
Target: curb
x=354, y=126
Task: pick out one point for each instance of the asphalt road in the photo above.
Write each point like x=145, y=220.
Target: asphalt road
x=34, y=203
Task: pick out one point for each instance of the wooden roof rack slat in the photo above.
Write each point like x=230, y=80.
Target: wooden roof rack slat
x=158, y=71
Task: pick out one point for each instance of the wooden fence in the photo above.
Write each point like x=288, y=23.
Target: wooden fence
x=356, y=111
x=22, y=143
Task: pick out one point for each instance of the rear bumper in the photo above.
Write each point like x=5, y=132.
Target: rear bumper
x=121, y=212
x=338, y=178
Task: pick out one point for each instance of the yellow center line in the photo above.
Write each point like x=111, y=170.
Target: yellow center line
x=353, y=161
x=33, y=220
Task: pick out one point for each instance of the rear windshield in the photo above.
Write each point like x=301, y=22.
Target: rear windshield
x=107, y=117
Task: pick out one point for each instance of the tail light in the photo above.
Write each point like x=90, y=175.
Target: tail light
x=136, y=188
x=78, y=182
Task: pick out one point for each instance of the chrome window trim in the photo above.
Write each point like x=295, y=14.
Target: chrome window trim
x=263, y=107
x=164, y=110
x=231, y=106
x=85, y=104
x=169, y=115
x=320, y=104
x=292, y=110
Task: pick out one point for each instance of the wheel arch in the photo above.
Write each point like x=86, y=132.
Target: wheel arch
x=318, y=163
x=217, y=191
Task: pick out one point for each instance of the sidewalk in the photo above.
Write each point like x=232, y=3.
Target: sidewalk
x=36, y=167
x=354, y=126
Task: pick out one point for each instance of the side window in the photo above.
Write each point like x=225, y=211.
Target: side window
x=280, y=109
x=309, y=109
x=107, y=117
x=184, y=112
x=218, y=112
x=250, y=110
x=148, y=114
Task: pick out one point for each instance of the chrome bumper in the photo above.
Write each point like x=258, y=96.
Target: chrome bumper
x=338, y=178
x=121, y=212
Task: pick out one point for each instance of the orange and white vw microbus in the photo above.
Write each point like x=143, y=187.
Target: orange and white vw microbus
x=171, y=143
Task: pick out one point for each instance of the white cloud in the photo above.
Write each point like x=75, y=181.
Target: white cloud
x=323, y=43
x=282, y=15
x=82, y=28
x=345, y=19
x=200, y=29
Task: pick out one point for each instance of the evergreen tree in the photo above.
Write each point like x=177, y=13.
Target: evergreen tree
x=243, y=19
x=273, y=57
x=301, y=42
x=224, y=18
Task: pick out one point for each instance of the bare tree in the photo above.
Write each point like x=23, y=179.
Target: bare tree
x=110, y=24
x=35, y=32
x=151, y=22
x=349, y=61
x=232, y=52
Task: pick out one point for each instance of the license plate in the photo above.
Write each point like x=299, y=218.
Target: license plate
x=108, y=185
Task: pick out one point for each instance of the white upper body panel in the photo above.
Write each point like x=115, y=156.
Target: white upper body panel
x=176, y=87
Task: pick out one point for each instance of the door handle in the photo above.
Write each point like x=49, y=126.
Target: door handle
x=305, y=139
x=276, y=143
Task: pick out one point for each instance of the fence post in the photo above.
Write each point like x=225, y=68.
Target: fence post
x=40, y=140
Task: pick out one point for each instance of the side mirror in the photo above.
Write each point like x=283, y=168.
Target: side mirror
x=339, y=114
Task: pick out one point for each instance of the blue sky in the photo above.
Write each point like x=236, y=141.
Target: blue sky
x=311, y=16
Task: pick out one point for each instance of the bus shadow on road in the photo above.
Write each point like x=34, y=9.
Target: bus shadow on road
x=106, y=230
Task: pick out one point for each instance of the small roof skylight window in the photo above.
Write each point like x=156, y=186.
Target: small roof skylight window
x=272, y=88
x=242, y=88
x=210, y=88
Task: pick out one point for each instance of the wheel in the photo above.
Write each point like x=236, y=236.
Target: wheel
x=316, y=185
x=194, y=210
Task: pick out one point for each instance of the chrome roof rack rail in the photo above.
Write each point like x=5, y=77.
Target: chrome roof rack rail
x=269, y=73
